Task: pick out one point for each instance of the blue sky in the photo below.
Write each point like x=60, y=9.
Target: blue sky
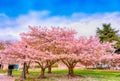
x=15, y=8
x=16, y=15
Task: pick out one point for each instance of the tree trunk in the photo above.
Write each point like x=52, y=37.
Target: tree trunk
x=71, y=72
x=27, y=67
x=1, y=66
x=23, y=72
x=49, y=69
x=42, y=75
x=70, y=65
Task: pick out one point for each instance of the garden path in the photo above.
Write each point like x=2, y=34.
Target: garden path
x=4, y=77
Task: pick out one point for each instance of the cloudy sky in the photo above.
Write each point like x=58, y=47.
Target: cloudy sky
x=82, y=15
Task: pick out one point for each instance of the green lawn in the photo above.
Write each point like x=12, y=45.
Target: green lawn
x=61, y=75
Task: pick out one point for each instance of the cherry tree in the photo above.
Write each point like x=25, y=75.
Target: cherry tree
x=17, y=53
x=46, y=44
x=2, y=47
x=84, y=50
x=115, y=61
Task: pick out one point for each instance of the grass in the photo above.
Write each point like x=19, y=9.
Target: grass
x=61, y=75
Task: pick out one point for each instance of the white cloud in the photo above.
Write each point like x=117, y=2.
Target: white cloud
x=84, y=24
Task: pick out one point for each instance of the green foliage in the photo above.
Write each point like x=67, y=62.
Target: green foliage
x=108, y=34
x=118, y=43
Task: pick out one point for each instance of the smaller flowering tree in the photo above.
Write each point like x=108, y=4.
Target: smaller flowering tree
x=16, y=53
x=115, y=61
x=3, y=44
